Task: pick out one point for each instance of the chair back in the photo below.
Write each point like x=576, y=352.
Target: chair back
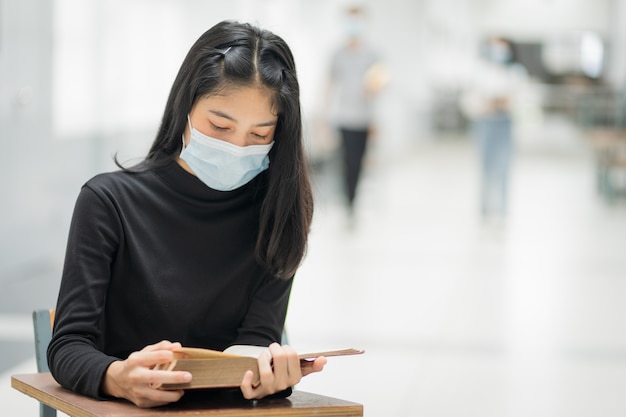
x=43, y=321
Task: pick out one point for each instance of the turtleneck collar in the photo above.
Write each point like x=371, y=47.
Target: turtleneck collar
x=187, y=184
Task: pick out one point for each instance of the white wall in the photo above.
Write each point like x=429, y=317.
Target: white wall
x=541, y=18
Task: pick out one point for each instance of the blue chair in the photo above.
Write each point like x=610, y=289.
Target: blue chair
x=42, y=324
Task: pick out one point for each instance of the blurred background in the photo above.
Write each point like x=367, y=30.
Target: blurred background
x=460, y=314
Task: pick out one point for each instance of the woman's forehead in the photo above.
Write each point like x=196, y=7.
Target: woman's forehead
x=249, y=102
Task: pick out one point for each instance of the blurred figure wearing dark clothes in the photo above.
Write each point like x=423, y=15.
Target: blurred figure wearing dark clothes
x=356, y=77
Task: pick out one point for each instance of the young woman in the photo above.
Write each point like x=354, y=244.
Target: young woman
x=198, y=244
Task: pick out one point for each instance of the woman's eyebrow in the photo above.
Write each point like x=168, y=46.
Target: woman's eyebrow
x=267, y=124
x=226, y=116
x=223, y=115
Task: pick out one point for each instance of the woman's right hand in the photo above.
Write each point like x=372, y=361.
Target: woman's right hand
x=134, y=378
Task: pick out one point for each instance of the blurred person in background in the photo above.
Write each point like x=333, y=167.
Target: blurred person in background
x=356, y=77
x=198, y=244
x=489, y=102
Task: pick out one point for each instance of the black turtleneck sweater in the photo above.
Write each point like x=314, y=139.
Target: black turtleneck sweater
x=158, y=255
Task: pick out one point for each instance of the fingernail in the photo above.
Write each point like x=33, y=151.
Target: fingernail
x=187, y=377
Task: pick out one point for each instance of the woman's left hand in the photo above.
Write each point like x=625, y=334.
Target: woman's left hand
x=279, y=369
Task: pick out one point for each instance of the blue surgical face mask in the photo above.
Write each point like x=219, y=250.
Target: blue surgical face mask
x=354, y=27
x=499, y=53
x=221, y=165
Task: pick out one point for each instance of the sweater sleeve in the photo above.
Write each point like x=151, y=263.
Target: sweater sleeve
x=265, y=318
x=73, y=355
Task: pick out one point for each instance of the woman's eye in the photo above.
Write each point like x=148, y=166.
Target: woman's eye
x=219, y=128
x=262, y=137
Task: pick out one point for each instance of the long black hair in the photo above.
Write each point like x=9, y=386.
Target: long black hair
x=232, y=54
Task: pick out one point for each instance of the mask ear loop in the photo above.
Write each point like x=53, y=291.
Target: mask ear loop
x=183, y=134
x=189, y=121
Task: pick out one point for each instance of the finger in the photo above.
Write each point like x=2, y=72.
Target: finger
x=266, y=373
x=143, y=376
x=247, y=388
x=163, y=344
x=279, y=358
x=286, y=367
x=293, y=365
x=306, y=367
x=319, y=363
x=173, y=346
x=146, y=397
x=309, y=367
x=157, y=378
x=149, y=359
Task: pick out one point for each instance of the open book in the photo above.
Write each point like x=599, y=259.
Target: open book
x=215, y=369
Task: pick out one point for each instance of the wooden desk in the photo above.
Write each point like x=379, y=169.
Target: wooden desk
x=45, y=389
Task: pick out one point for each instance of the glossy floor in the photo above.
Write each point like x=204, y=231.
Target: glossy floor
x=458, y=316
x=461, y=317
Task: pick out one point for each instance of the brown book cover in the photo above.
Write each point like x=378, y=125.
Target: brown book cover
x=215, y=369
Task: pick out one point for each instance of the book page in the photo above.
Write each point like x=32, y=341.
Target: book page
x=246, y=350
x=250, y=351
x=201, y=353
x=255, y=351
